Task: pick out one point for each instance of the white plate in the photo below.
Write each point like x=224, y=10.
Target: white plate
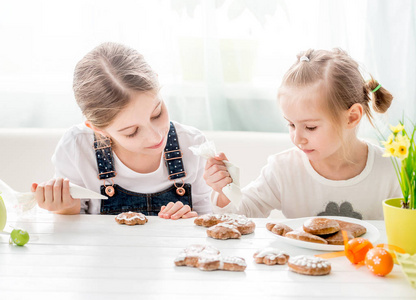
x=372, y=233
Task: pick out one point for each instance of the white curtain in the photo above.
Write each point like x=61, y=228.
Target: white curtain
x=220, y=62
x=390, y=55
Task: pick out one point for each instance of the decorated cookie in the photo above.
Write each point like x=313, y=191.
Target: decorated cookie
x=233, y=221
x=309, y=265
x=336, y=238
x=191, y=255
x=278, y=228
x=270, y=256
x=131, y=218
x=320, y=226
x=244, y=224
x=223, y=231
x=304, y=236
x=354, y=229
x=207, y=220
x=233, y=263
x=208, y=258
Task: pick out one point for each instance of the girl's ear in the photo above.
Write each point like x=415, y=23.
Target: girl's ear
x=354, y=114
x=95, y=129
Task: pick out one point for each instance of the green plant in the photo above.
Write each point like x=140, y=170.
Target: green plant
x=400, y=146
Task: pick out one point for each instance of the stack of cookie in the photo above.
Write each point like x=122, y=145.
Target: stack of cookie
x=208, y=258
x=226, y=226
x=319, y=230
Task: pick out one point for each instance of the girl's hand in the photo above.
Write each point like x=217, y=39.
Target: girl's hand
x=216, y=174
x=54, y=196
x=176, y=211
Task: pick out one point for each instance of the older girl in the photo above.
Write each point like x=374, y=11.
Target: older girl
x=127, y=149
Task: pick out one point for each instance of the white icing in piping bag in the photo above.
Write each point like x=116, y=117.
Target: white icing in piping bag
x=26, y=201
x=231, y=190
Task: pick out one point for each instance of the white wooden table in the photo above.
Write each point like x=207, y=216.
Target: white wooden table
x=93, y=257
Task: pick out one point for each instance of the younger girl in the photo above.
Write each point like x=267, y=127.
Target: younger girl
x=127, y=149
x=330, y=171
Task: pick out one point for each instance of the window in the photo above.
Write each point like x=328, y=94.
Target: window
x=219, y=62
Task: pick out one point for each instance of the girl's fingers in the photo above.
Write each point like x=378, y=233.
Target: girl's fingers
x=214, y=174
x=220, y=175
x=33, y=187
x=40, y=195
x=177, y=206
x=191, y=214
x=185, y=209
x=212, y=162
x=221, y=156
x=214, y=169
x=166, y=208
x=161, y=210
x=57, y=191
x=48, y=192
x=67, y=199
x=219, y=185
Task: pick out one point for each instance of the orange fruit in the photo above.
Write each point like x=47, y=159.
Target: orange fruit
x=379, y=261
x=356, y=249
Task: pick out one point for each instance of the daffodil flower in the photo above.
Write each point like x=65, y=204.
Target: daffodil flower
x=396, y=129
x=391, y=149
x=403, y=140
x=402, y=147
x=399, y=146
x=402, y=152
x=389, y=140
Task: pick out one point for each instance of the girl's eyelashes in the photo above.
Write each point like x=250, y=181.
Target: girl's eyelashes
x=137, y=129
x=158, y=116
x=133, y=134
x=310, y=128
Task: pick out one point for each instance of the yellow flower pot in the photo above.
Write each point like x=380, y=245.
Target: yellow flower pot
x=400, y=225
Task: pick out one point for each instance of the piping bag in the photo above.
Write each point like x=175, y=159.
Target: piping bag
x=231, y=190
x=25, y=201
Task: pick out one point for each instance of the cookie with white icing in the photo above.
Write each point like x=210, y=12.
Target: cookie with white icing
x=309, y=265
x=239, y=222
x=278, y=228
x=270, y=256
x=208, y=258
x=191, y=255
x=207, y=220
x=131, y=218
x=223, y=231
x=243, y=224
x=233, y=263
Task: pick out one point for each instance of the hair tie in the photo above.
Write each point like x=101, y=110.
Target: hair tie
x=304, y=58
x=376, y=89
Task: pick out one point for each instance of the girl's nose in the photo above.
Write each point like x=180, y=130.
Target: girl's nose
x=154, y=135
x=298, y=138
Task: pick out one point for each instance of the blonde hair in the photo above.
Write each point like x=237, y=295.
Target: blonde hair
x=106, y=77
x=344, y=85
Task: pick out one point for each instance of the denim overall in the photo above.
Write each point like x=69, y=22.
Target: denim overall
x=121, y=200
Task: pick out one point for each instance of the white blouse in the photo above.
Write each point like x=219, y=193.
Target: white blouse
x=74, y=158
